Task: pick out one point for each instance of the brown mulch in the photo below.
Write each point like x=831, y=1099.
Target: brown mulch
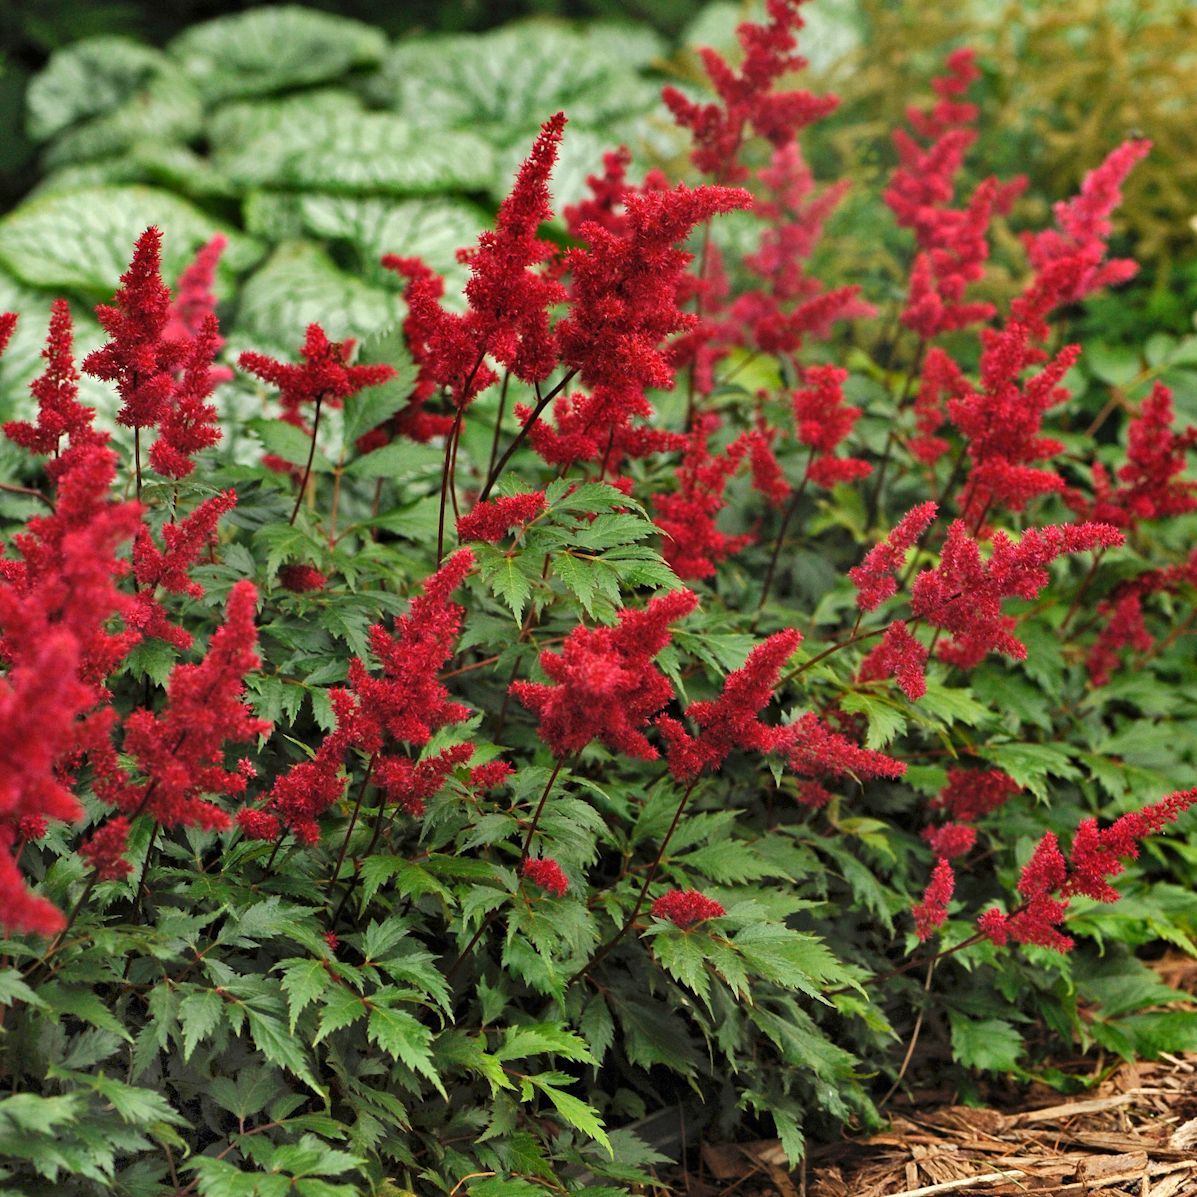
x=1136, y=1137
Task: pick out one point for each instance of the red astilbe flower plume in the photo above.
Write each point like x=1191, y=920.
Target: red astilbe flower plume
x=180, y=750
x=952, y=242
x=900, y=655
x=1155, y=458
x=56, y=389
x=301, y=794
x=606, y=686
x=813, y=750
x=731, y=721
x=194, y=299
x=932, y=912
x=624, y=303
x=963, y=594
x=139, y=357
x=301, y=579
x=971, y=794
x=1098, y=854
x=409, y=702
x=509, y=293
x=169, y=568
x=941, y=379
x=8, y=325
x=324, y=376
x=693, y=546
x=1047, y=881
x=490, y=521
x=1125, y=627
x=189, y=423
x=68, y=566
x=874, y=578
x=823, y=420
x=746, y=97
x=547, y=873
x=409, y=784
x=1070, y=260
x=686, y=907
x=105, y=850
x=951, y=839
x=608, y=192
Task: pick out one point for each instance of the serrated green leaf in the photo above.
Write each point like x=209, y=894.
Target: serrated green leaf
x=991, y=1044
x=199, y=1015
x=575, y=1112
x=405, y=1039
x=303, y=982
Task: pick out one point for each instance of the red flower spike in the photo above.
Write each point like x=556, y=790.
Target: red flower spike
x=546, y=873
x=409, y=702
x=951, y=840
x=491, y=521
x=8, y=325
x=731, y=720
x=139, y=357
x=301, y=579
x=823, y=420
x=490, y=776
x=606, y=686
x=1070, y=260
x=963, y=594
x=258, y=824
x=1155, y=458
x=324, y=373
x=170, y=568
x=409, y=784
x=746, y=96
x=693, y=546
x=685, y=907
x=971, y=794
x=180, y=750
x=874, y=576
x=105, y=850
x=900, y=655
x=189, y=423
x=608, y=192
x=56, y=389
x=932, y=912
x=813, y=750
x=194, y=301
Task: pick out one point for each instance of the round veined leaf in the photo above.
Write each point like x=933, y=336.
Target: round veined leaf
x=431, y=229
x=272, y=49
x=300, y=284
x=81, y=241
x=316, y=148
x=172, y=166
x=513, y=78
x=167, y=109
x=87, y=79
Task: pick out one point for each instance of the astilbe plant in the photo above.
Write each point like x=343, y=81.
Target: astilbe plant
x=356, y=852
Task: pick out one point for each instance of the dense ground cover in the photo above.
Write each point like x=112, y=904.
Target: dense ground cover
x=450, y=720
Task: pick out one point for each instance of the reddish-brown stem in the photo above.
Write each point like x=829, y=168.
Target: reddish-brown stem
x=874, y=503
x=357, y=809
x=791, y=507
x=278, y=843
x=855, y=638
x=521, y=436
x=145, y=870
x=544, y=797
x=446, y=483
x=494, y=440
x=1074, y=606
x=307, y=469
x=651, y=876
x=137, y=461
x=13, y=489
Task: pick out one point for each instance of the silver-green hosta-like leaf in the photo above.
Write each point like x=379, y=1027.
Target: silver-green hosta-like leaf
x=301, y=284
x=312, y=144
x=87, y=79
x=433, y=230
x=272, y=49
x=151, y=162
x=167, y=109
x=513, y=78
x=81, y=241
